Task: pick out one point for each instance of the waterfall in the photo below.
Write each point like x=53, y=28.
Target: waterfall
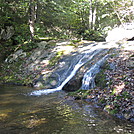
x=87, y=56
x=88, y=79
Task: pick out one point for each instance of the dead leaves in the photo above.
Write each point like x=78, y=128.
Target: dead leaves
x=122, y=85
x=118, y=96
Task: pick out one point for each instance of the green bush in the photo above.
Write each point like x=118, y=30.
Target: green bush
x=93, y=35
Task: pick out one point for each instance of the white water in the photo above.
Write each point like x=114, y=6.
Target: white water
x=87, y=55
x=88, y=79
x=80, y=63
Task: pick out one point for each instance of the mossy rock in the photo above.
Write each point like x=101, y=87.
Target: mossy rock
x=100, y=79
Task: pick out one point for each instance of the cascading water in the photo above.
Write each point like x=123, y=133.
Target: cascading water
x=88, y=79
x=87, y=56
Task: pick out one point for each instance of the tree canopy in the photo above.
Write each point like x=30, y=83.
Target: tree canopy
x=87, y=19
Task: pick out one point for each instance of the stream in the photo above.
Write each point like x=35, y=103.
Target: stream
x=53, y=114
x=83, y=56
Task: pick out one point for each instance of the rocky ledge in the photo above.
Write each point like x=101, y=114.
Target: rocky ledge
x=114, y=90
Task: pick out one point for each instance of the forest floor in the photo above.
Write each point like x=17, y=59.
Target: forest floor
x=117, y=96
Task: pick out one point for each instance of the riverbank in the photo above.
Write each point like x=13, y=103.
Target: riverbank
x=50, y=63
x=114, y=90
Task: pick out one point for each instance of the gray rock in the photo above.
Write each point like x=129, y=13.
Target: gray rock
x=15, y=56
x=42, y=44
x=49, y=80
x=7, y=33
x=112, y=66
x=73, y=84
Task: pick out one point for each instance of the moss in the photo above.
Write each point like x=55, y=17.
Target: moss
x=113, y=111
x=75, y=41
x=38, y=39
x=102, y=101
x=80, y=94
x=114, y=91
x=72, y=44
x=125, y=95
x=27, y=46
x=113, y=55
x=100, y=78
x=54, y=60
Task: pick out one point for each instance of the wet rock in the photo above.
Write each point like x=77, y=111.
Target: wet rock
x=78, y=98
x=131, y=39
x=49, y=80
x=73, y=84
x=119, y=116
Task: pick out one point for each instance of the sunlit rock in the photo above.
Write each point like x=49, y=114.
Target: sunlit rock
x=14, y=57
x=124, y=32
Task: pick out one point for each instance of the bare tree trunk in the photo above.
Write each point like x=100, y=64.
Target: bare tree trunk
x=90, y=15
x=32, y=18
x=94, y=18
x=37, y=7
x=132, y=2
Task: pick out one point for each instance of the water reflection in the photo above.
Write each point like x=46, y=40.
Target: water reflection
x=51, y=114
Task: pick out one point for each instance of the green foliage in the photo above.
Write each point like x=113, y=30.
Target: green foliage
x=93, y=35
x=28, y=46
x=55, y=59
x=63, y=18
x=21, y=33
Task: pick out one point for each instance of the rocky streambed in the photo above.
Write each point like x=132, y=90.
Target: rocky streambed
x=50, y=63
x=114, y=91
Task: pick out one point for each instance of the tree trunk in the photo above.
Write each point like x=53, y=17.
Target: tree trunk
x=94, y=18
x=90, y=15
x=32, y=18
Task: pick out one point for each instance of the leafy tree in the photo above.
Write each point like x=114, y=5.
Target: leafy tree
x=63, y=18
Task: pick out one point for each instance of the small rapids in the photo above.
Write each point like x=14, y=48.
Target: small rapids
x=85, y=58
x=88, y=79
x=85, y=54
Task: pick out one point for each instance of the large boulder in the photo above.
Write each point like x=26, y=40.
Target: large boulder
x=125, y=32
x=48, y=80
x=73, y=85
x=6, y=33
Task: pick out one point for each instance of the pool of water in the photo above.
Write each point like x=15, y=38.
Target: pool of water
x=53, y=114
